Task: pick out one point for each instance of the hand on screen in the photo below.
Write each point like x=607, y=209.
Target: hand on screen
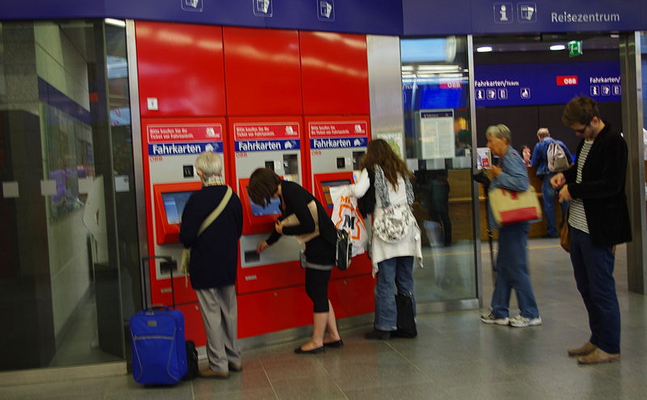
x=261, y=246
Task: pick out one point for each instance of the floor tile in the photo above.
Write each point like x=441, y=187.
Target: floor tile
x=454, y=357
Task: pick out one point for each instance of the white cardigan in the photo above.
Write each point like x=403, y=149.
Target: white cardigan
x=410, y=245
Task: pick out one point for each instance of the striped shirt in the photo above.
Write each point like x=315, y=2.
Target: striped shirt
x=576, y=213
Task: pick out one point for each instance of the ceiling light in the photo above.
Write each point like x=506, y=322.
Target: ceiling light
x=484, y=49
x=438, y=68
x=115, y=22
x=557, y=47
x=407, y=67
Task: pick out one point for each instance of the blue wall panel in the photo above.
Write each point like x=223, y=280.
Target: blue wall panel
x=424, y=17
x=386, y=17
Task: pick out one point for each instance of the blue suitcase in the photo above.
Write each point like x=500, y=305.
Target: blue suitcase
x=158, y=346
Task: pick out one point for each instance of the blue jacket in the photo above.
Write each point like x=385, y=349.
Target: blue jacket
x=539, y=158
x=513, y=176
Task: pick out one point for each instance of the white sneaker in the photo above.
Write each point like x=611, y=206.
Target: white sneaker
x=522, y=322
x=489, y=318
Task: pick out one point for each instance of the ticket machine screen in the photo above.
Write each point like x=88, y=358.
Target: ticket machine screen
x=170, y=200
x=274, y=207
x=174, y=203
x=326, y=185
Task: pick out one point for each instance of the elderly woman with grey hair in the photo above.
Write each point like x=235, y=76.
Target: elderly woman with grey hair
x=512, y=258
x=214, y=263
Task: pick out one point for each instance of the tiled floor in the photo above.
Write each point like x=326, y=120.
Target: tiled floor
x=455, y=356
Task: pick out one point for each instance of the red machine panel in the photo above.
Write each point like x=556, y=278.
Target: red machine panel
x=360, y=265
x=330, y=137
x=335, y=73
x=263, y=72
x=273, y=311
x=162, y=289
x=193, y=324
x=270, y=128
x=181, y=67
x=352, y=296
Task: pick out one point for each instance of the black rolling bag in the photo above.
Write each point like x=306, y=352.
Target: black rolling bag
x=406, y=317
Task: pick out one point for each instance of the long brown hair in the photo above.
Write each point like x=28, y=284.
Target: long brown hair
x=380, y=152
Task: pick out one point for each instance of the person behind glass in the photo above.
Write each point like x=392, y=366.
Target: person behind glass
x=213, y=265
x=265, y=185
x=548, y=193
x=392, y=262
x=526, y=153
x=463, y=143
x=598, y=219
x=512, y=258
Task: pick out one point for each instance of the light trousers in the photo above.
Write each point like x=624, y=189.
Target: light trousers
x=219, y=309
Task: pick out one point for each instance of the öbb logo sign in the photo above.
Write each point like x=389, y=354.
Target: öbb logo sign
x=567, y=80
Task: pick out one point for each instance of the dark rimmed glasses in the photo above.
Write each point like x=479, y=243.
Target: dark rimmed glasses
x=581, y=131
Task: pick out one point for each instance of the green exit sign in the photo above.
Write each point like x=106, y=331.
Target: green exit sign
x=575, y=48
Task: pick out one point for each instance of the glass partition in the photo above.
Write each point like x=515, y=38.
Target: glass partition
x=438, y=144
x=69, y=270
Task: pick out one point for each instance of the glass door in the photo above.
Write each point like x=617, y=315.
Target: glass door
x=68, y=248
x=439, y=148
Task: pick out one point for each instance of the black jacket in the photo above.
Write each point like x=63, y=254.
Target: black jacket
x=320, y=250
x=214, y=254
x=602, y=189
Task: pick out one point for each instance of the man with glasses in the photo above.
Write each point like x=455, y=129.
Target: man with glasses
x=598, y=220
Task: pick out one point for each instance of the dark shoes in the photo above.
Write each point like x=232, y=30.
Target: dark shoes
x=377, y=334
x=316, y=350
x=336, y=343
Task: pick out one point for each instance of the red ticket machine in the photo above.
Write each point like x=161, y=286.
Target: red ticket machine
x=270, y=289
x=336, y=147
x=171, y=146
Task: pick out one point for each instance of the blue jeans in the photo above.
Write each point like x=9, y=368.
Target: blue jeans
x=549, y=195
x=394, y=272
x=512, y=273
x=593, y=270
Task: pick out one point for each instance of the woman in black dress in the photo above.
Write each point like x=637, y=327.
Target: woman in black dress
x=265, y=185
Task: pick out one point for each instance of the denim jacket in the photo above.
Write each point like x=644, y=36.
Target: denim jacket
x=513, y=176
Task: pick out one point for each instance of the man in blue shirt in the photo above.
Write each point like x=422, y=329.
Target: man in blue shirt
x=539, y=160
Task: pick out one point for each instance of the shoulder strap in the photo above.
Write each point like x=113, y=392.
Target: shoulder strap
x=381, y=189
x=215, y=213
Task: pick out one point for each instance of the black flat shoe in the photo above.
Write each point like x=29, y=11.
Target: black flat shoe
x=337, y=343
x=377, y=334
x=299, y=350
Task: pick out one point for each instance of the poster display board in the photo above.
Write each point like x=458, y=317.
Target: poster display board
x=436, y=128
